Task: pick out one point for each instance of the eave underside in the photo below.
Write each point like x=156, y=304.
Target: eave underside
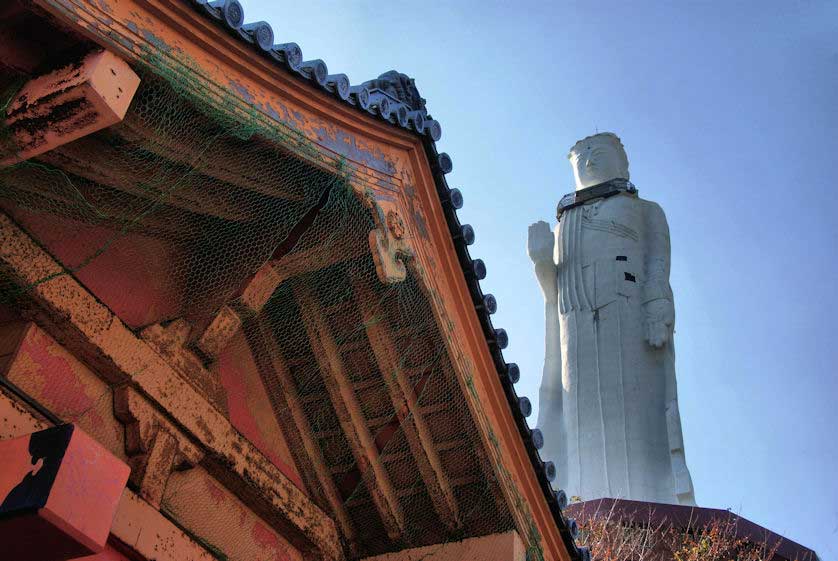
x=356, y=370
x=263, y=219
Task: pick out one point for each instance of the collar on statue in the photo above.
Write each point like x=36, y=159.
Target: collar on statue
x=600, y=191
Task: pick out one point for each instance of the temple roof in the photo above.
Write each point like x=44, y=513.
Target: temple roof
x=393, y=97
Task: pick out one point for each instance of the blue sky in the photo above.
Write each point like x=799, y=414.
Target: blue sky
x=728, y=113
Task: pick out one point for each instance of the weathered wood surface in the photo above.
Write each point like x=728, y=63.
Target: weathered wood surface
x=68, y=103
x=350, y=414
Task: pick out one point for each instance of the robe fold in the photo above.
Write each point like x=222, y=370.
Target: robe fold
x=609, y=413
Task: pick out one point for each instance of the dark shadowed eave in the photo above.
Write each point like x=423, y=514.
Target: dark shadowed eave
x=393, y=97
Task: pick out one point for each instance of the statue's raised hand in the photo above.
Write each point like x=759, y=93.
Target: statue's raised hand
x=540, y=242
x=660, y=317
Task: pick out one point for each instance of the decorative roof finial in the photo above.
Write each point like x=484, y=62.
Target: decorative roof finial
x=401, y=86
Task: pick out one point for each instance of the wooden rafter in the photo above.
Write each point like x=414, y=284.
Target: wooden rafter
x=286, y=401
x=221, y=159
x=406, y=405
x=159, y=182
x=224, y=325
x=262, y=285
x=80, y=199
x=483, y=458
x=349, y=413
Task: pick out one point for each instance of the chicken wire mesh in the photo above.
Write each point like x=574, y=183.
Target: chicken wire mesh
x=170, y=215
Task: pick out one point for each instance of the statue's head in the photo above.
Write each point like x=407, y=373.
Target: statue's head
x=597, y=159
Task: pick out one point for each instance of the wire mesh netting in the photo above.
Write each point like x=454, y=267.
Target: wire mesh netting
x=173, y=215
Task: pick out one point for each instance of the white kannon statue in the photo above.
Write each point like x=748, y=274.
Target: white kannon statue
x=608, y=400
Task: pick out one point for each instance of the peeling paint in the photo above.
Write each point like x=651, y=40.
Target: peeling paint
x=156, y=41
x=346, y=145
x=105, y=7
x=247, y=465
x=242, y=91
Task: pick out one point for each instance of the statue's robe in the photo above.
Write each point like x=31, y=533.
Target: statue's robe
x=611, y=420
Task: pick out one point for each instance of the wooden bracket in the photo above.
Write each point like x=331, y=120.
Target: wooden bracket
x=388, y=244
x=171, y=342
x=150, y=471
x=219, y=332
x=67, y=104
x=258, y=290
x=154, y=446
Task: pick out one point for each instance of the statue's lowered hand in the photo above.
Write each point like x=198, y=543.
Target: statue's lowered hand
x=660, y=317
x=540, y=242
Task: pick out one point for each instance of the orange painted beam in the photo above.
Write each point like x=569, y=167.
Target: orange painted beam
x=406, y=405
x=150, y=535
x=223, y=71
x=216, y=155
x=350, y=414
x=495, y=547
x=67, y=104
x=59, y=491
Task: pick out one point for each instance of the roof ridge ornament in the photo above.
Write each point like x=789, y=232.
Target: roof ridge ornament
x=400, y=87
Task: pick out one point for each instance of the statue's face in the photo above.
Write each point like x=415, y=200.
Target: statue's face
x=598, y=159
